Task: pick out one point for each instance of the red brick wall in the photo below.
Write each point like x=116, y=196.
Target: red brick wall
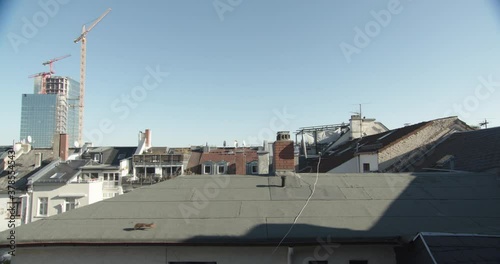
x=241, y=164
x=63, y=146
x=283, y=156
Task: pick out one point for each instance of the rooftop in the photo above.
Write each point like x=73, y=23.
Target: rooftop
x=337, y=156
x=62, y=172
x=25, y=167
x=111, y=156
x=463, y=248
x=223, y=209
x=474, y=151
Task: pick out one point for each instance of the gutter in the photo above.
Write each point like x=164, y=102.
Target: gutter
x=241, y=243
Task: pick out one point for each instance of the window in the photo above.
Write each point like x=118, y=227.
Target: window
x=358, y=261
x=318, y=262
x=16, y=204
x=366, y=167
x=221, y=169
x=70, y=204
x=207, y=169
x=105, y=176
x=43, y=206
x=255, y=169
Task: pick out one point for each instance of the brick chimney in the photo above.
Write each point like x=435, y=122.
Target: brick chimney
x=148, y=138
x=241, y=162
x=283, y=153
x=63, y=146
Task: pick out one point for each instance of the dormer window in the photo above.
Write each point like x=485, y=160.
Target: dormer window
x=97, y=157
x=252, y=167
x=221, y=167
x=207, y=169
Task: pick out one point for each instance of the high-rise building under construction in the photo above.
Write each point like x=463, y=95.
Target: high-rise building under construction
x=51, y=110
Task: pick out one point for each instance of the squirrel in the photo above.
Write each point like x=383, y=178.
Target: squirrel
x=144, y=225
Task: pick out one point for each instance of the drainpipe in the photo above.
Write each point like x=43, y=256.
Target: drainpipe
x=290, y=255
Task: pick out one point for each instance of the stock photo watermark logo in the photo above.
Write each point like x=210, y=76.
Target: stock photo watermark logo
x=323, y=251
x=372, y=29
x=277, y=123
x=31, y=26
x=126, y=103
x=470, y=103
x=200, y=198
x=223, y=6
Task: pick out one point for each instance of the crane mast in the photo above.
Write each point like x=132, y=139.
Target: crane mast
x=83, y=57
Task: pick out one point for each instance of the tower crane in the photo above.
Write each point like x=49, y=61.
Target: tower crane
x=83, y=53
x=50, y=62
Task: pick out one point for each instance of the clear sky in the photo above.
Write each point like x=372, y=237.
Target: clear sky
x=243, y=69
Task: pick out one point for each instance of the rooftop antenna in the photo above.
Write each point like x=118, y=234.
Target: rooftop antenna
x=361, y=119
x=485, y=123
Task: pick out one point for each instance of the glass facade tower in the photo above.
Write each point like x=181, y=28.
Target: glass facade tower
x=57, y=111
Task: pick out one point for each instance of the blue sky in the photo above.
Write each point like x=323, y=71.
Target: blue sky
x=244, y=69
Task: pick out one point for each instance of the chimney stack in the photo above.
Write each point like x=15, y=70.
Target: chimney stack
x=263, y=162
x=148, y=138
x=38, y=160
x=63, y=146
x=283, y=153
x=241, y=163
x=356, y=126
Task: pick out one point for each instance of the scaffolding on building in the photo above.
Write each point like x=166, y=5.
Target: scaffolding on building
x=61, y=114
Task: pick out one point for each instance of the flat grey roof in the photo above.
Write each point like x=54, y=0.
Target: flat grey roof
x=235, y=208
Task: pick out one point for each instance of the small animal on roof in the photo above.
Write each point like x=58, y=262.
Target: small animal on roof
x=144, y=225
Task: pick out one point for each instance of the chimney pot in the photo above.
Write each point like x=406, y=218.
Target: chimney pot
x=283, y=181
x=283, y=135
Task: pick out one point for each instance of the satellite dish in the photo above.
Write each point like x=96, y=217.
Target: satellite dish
x=29, y=139
x=76, y=144
x=244, y=144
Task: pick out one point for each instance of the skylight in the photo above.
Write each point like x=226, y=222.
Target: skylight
x=386, y=135
x=57, y=175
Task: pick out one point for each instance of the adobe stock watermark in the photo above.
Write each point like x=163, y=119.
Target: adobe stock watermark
x=123, y=105
x=280, y=119
x=372, y=29
x=323, y=251
x=31, y=26
x=482, y=92
x=224, y=6
x=200, y=198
